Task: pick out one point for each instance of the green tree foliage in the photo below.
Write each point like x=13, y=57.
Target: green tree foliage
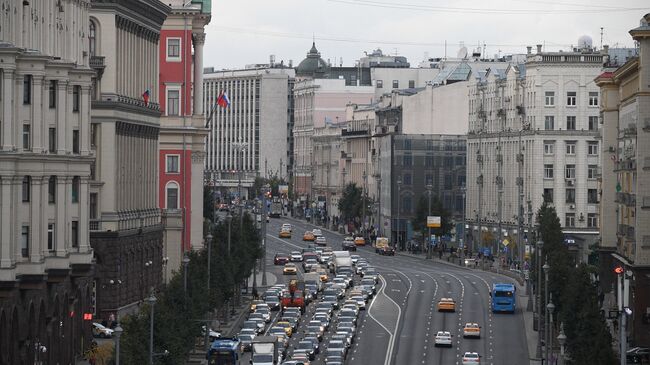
x=437, y=209
x=175, y=324
x=350, y=203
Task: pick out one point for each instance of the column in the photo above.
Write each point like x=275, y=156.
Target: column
x=61, y=117
x=7, y=113
x=36, y=233
x=16, y=191
x=44, y=214
x=84, y=120
x=37, y=114
x=5, y=224
x=84, y=236
x=199, y=40
x=60, y=220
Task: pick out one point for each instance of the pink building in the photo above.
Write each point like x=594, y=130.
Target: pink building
x=182, y=132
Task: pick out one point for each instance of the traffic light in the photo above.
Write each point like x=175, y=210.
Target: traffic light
x=88, y=316
x=618, y=270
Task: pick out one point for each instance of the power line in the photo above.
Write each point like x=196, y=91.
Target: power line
x=446, y=9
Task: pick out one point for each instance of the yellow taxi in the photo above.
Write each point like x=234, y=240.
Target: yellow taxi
x=286, y=326
x=254, y=304
x=359, y=241
x=285, y=233
x=324, y=278
x=472, y=330
x=290, y=269
x=446, y=305
x=308, y=236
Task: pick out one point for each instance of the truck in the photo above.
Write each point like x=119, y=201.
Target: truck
x=276, y=208
x=313, y=278
x=341, y=262
x=380, y=244
x=295, y=296
x=264, y=350
x=224, y=351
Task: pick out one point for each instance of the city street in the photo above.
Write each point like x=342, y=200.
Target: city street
x=401, y=321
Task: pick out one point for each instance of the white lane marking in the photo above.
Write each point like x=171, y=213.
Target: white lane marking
x=391, y=340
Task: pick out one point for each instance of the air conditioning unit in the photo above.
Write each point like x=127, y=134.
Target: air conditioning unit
x=570, y=182
x=572, y=206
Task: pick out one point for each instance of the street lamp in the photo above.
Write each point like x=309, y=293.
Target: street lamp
x=117, y=332
x=399, y=196
x=363, y=199
x=550, y=307
x=152, y=302
x=429, y=188
x=186, y=261
x=208, y=241
x=379, y=222
x=561, y=339
x=546, y=269
x=538, y=258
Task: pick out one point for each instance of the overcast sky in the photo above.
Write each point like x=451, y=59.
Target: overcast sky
x=248, y=31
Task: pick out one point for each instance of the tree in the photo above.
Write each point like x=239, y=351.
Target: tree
x=350, y=204
x=437, y=209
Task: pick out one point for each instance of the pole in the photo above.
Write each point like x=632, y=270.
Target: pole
x=264, y=215
x=462, y=251
x=549, y=332
x=399, y=188
x=379, y=222
x=622, y=302
x=546, y=268
x=538, y=290
x=152, y=303
x=429, y=187
x=363, y=208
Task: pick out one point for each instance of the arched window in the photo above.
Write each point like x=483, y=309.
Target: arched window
x=171, y=193
x=92, y=42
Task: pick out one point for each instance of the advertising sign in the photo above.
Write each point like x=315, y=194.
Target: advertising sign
x=433, y=222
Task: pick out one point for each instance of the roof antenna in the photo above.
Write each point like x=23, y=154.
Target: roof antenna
x=601, y=37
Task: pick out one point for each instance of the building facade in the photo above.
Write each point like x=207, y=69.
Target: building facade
x=533, y=135
x=251, y=134
x=327, y=181
x=46, y=260
x=625, y=235
x=182, y=129
x=126, y=230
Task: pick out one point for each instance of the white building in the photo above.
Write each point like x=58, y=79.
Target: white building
x=252, y=134
x=46, y=261
x=533, y=132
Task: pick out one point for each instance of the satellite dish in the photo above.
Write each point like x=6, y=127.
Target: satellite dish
x=462, y=52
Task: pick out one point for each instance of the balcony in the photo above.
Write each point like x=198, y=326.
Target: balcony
x=94, y=225
x=354, y=133
x=97, y=64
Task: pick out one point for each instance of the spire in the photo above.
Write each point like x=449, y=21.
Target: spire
x=313, y=49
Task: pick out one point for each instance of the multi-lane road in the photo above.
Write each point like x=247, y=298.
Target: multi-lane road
x=400, y=323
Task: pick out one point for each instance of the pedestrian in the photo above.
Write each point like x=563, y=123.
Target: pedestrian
x=111, y=320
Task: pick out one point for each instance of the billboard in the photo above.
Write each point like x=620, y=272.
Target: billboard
x=433, y=222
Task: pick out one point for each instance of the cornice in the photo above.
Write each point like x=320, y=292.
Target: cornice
x=150, y=13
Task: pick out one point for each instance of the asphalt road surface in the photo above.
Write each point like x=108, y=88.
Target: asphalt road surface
x=401, y=321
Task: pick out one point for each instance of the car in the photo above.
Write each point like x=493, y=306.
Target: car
x=309, y=264
x=387, y=251
x=472, y=330
x=446, y=305
x=273, y=302
x=290, y=269
x=361, y=303
x=638, y=355
x=101, y=331
x=256, y=316
x=292, y=320
x=334, y=353
x=317, y=232
x=308, y=236
x=307, y=347
x=316, y=329
x=324, y=320
x=284, y=233
x=265, y=311
x=343, y=337
x=295, y=256
x=354, y=259
x=280, y=259
x=443, y=338
x=325, y=257
x=321, y=241
x=295, y=362
x=287, y=226
x=348, y=246
x=253, y=325
x=223, y=207
x=245, y=341
x=359, y=241
x=288, y=328
x=471, y=358
x=314, y=341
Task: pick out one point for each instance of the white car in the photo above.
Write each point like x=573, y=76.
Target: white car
x=471, y=358
x=354, y=259
x=296, y=256
x=321, y=241
x=101, y=331
x=286, y=226
x=443, y=338
x=317, y=232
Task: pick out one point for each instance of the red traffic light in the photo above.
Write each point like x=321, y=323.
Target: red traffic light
x=618, y=270
x=88, y=316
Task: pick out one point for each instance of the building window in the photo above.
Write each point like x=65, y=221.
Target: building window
x=549, y=147
x=27, y=89
x=52, y=140
x=76, y=182
x=93, y=136
x=76, y=92
x=570, y=172
x=571, y=123
x=395, y=84
x=408, y=180
x=428, y=179
x=570, y=147
x=570, y=195
x=411, y=84
x=93, y=206
x=173, y=101
x=407, y=205
x=428, y=161
x=51, y=237
x=75, y=233
x=549, y=98
x=380, y=84
x=27, y=187
x=172, y=195
x=51, y=190
x=24, y=242
x=548, y=195
x=592, y=148
x=172, y=164
x=173, y=49
x=592, y=196
x=75, y=141
x=448, y=181
x=570, y=220
x=407, y=144
x=92, y=39
x=548, y=171
x=592, y=171
x=571, y=98
x=27, y=137
x=52, y=94
x=593, y=98
x=549, y=122
x=408, y=159
x=592, y=220
x=593, y=123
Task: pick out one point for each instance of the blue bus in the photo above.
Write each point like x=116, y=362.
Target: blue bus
x=224, y=351
x=503, y=298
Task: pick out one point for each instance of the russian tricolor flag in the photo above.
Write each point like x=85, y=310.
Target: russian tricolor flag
x=223, y=100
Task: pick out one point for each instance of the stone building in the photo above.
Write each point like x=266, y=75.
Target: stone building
x=46, y=261
x=126, y=230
